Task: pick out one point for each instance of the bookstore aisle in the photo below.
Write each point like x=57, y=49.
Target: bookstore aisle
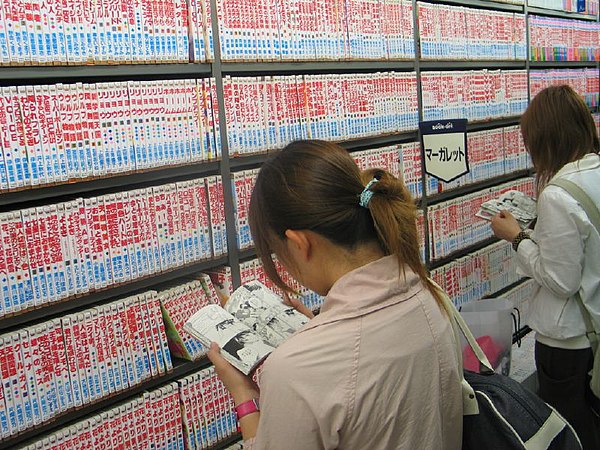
x=131, y=133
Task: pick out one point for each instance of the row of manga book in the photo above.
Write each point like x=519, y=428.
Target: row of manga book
x=264, y=113
x=271, y=30
x=456, y=32
x=588, y=7
x=68, y=362
x=242, y=184
x=401, y=160
x=192, y=412
x=475, y=95
x=555, y=39
x=94, y=32
x=492, y=153
x=453, y=224
x=69, y=132
x=62, y=32
x=178, y=303
x=59, y=251
x=584, y=81
x=478, y=274
x=254, y=270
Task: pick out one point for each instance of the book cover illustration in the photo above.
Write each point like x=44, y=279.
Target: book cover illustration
x=252, y=323
x=520, y=205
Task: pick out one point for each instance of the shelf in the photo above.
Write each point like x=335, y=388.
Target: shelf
x=387, y=139
x=249, y=253
x=124, y=71
x=239, y=68
x=493, y=123
x=563, y=14
x=256, y=159
x=460, y=253
x=562, y=64
x=180, y=369
x=470, y=188
x=507, y=288
x=496, y=6
x=428, y=64
x=67, y=305
x=75, y=187
x=248, y=161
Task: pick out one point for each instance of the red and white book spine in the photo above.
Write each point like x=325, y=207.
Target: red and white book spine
x=125, y=217
x=50, y=363
x=174, y=226
x=80, y=233
x=26, y=379
x=147, y=336
x=201, y=435
x=34, y=255
x=59, y=365
x=56, y=256
x=187, y=221
x=208, y=406
x=10, y=365
x=112, y=205
x=65, y=212
x=139, y=236
x=149, y=229
x=73, y=383
x=123, y=341
x=134, y=355
x=159, y=195
x=82, y=355
x=19, y=291
x=159, y=333
x=30, y=116
x=150, y=417
x=103, y=349
x=95, y=360
x=186, y=412
x=98, y=245
x=136, y=336
x=42, y=222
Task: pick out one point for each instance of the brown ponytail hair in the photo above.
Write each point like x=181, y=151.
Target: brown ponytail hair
x=316, y=185
x=557, y=129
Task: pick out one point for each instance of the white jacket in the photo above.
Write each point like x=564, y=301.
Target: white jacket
x=564, y=257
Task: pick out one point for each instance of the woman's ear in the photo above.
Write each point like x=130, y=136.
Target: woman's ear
x=298, y=244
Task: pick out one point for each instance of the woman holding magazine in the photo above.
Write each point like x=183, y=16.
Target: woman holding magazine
x=376, y=369
x=562, y=253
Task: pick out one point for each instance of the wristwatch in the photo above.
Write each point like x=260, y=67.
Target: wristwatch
x=518, y=238
x=249, y=407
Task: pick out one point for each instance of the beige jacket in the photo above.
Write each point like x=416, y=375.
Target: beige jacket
x=376, y=369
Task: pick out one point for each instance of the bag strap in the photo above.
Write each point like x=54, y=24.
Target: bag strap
x=591, y=210
x=470, y=405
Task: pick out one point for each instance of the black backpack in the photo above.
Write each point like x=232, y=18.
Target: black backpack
x=499, y=413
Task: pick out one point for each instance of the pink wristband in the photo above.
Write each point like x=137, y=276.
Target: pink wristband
x=249, y=407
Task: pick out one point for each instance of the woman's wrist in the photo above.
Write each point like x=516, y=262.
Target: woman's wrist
x=244, y=395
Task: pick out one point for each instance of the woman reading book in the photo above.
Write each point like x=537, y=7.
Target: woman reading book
x=376, y=369
x=562, y=254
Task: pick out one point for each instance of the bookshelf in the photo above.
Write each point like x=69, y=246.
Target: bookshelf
x=218, y=69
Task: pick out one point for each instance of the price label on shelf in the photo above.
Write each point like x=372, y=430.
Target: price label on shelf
x=444, y=144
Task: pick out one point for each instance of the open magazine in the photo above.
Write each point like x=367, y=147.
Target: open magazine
x=520, y=205
x=251, y=324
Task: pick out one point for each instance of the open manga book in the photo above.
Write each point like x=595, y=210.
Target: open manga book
x=251, y=324
x=520, y=205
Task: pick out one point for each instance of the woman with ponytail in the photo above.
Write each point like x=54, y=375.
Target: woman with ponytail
x=376, y=369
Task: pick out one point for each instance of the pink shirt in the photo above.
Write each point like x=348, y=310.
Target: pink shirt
x=376, y=369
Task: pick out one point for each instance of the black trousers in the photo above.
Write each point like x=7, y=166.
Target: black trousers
x=564, y=383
